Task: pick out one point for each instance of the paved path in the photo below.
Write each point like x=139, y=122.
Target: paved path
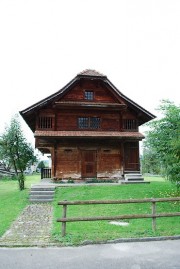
x=31, y=228
x=144, y=255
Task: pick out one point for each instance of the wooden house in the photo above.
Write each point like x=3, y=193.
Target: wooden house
x=90, y=129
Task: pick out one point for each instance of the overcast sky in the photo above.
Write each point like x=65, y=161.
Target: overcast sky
x=45, y=43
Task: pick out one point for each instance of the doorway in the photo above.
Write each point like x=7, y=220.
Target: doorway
x=89, y=163
x=131, y=152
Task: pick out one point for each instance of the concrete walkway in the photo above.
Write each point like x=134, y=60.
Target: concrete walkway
x=31, y=228
x=49, y=182
x=144, y=255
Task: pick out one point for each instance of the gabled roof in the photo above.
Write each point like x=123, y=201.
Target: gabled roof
x=28, y=113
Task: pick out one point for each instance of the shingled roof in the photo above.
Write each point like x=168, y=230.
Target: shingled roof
x=91, y=72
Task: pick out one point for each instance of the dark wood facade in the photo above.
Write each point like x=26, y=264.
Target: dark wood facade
x=89, y=128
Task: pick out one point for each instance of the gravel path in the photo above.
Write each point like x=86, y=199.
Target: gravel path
x=32, y=227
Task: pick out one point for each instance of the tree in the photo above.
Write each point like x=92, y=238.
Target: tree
x=163, y=140
x=149, y=162
x=41, y=165
x=15, y=151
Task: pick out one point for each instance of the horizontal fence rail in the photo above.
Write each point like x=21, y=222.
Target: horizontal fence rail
x=153, y=215
x=124, y=201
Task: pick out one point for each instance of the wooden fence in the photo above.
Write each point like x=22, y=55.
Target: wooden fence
x=153, y=214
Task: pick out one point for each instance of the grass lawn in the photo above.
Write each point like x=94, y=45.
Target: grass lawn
x=154, y=178
x=12, y=201
x=78, y=232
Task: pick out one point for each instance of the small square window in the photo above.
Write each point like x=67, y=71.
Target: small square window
x=89, y=95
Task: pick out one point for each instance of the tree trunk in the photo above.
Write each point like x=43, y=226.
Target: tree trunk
x=21, y=181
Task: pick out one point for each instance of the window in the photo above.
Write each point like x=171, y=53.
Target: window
x=130, y=124
x=89, y=123
x=94, y=123
x=89, y=95
x=83, y=123
x=45, y=122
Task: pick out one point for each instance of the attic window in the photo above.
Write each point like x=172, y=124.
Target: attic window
x=89, y=95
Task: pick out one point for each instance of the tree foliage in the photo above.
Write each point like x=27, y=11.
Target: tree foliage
x=163, y=141
x=149, y=162
x=15, y=151
x=41, y=165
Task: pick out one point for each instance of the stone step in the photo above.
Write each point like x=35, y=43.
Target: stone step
x=37, y=192
x=131, y=172
x=40, y=200
x=135, y=182
x=41, y=193
x=133, y=177
x=42, y=188
x=40, y=197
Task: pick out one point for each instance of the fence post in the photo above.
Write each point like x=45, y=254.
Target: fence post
x=153, y=218
x=41, y=173
x=63, y=232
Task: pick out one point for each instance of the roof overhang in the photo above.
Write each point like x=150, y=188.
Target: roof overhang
x=88, y=134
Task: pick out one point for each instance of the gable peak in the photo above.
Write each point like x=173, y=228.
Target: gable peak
x=91, y=73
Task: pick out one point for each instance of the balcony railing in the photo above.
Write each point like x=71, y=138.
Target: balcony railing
x=45, y=173
x=130, y=125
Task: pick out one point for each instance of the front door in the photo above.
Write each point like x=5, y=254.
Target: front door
x=88, y=163
x=131, y=152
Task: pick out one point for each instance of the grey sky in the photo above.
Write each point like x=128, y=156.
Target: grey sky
x=45, y=43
